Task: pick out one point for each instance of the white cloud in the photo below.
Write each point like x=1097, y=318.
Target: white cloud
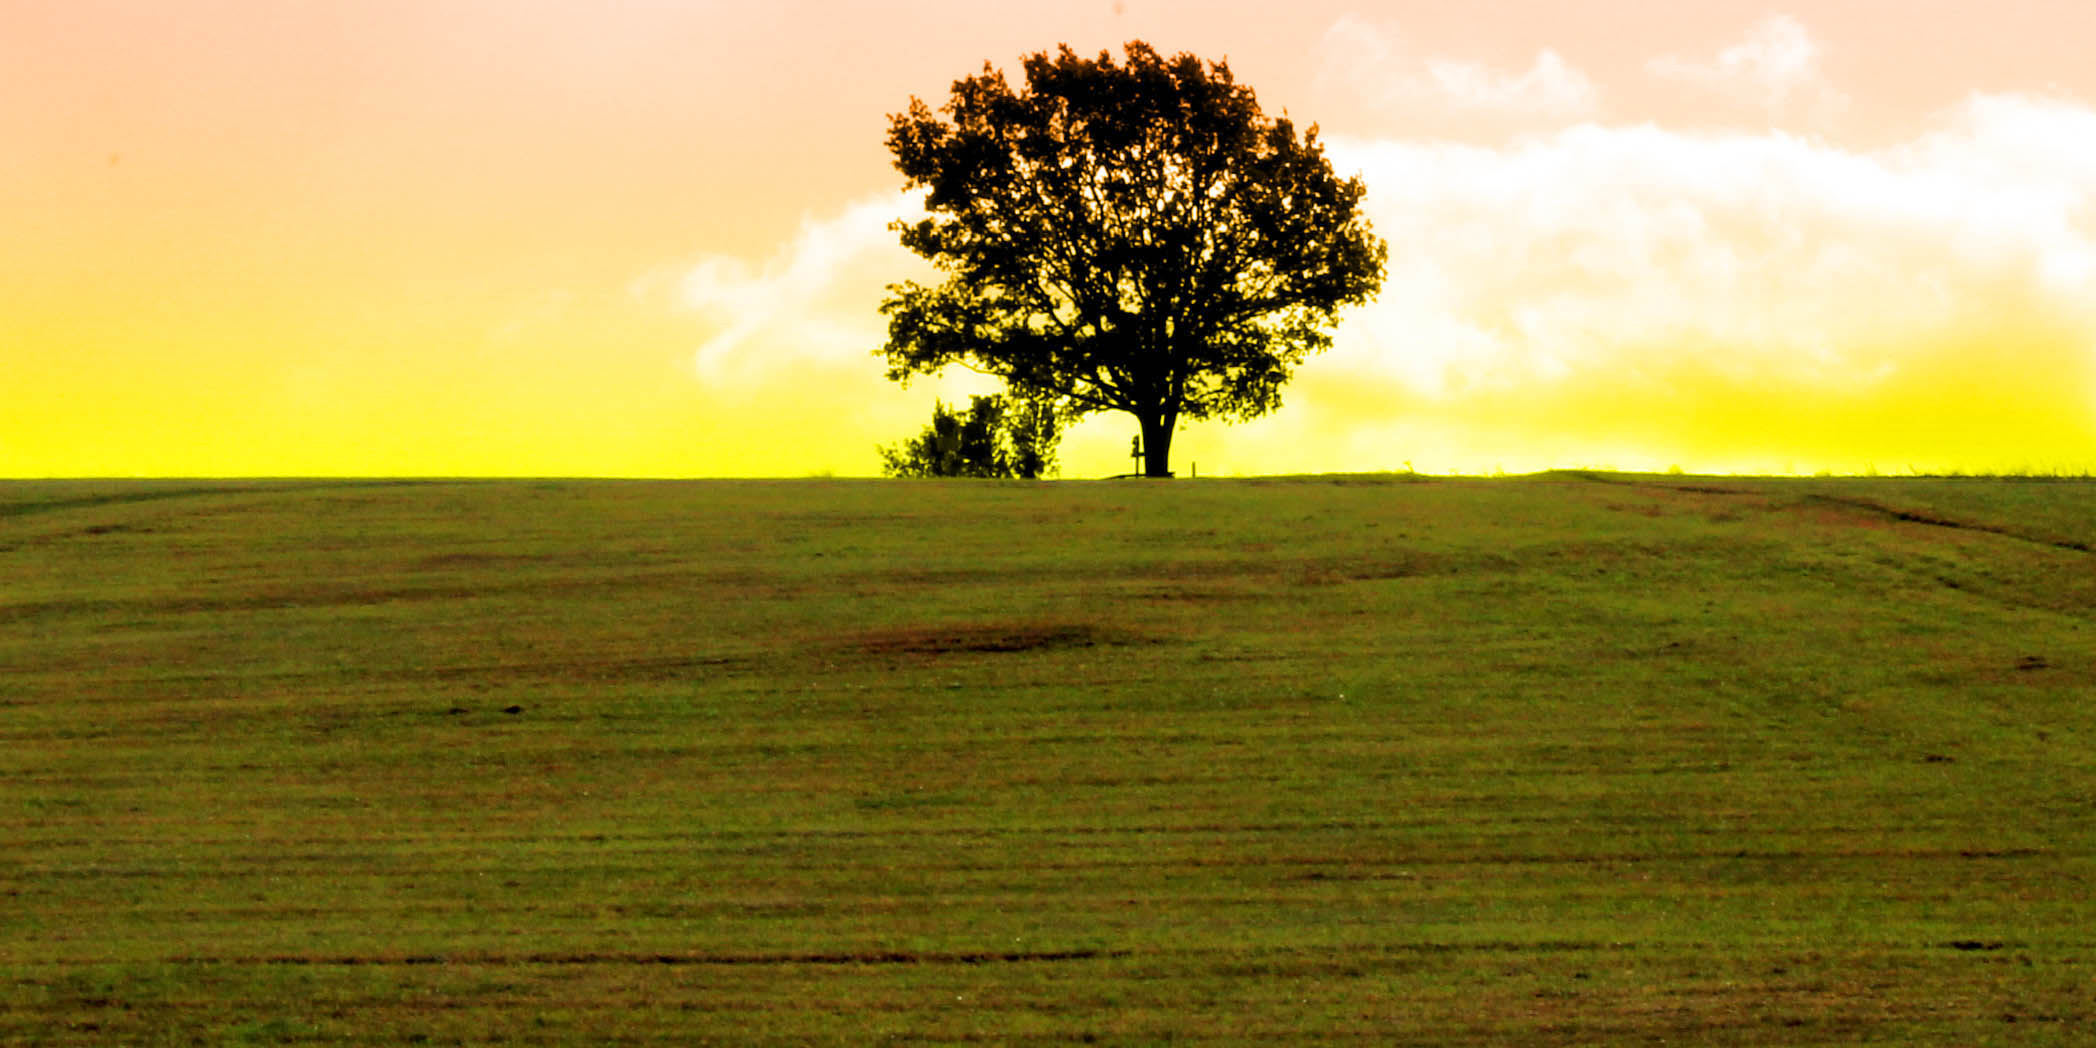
x=814, y=302
x=1548, y=88
x=1368, y=59
x=1585, y=251
x=1776, y=68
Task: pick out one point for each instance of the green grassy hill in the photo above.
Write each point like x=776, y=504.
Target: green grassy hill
x=1561, y=759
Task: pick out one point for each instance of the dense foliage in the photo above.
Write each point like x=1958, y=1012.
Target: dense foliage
x=998, y=438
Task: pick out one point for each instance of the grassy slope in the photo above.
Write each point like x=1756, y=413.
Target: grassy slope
x=1547, y=759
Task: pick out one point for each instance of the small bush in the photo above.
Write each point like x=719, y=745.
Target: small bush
x=999, y=437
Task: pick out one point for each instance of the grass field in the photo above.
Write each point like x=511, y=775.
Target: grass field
x=1548, y=760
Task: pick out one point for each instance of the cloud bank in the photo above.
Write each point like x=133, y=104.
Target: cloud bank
x=1615, y=271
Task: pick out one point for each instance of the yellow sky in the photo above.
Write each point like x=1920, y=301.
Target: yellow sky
x=505, y=237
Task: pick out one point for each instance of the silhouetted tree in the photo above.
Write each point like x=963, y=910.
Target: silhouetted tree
x=1132, y=237
x=996, y=438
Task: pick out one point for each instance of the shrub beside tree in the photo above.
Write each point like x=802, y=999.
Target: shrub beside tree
x=998, y=437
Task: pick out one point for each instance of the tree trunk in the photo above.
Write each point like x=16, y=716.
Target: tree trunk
x=1157, y=445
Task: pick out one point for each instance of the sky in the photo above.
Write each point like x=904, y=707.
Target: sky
x=650, y=238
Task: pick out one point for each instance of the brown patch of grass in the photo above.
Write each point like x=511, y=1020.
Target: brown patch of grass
x=985, y=638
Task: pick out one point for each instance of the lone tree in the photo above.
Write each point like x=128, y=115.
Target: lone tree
x=1132, y=237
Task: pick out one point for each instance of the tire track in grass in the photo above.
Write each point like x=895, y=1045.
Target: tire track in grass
x=1867, y=506
x=696, y=959
x=1875, y=508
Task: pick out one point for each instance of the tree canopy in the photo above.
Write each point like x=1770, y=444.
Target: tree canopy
x=1132, y=236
